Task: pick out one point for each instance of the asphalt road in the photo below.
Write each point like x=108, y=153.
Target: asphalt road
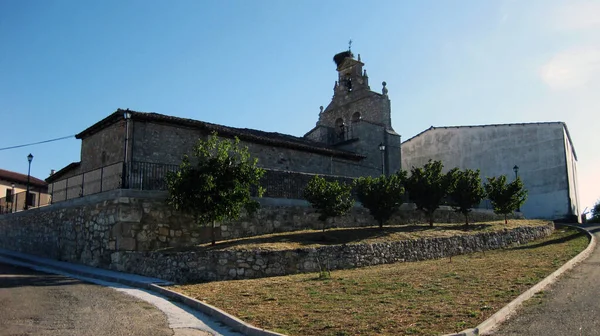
x=34, y=303
x=571, y=306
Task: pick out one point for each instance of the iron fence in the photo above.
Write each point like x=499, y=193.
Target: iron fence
x=146, y=175
x=151, y=176
x=16, y=202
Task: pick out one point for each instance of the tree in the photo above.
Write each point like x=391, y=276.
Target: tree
x=505, y=197
x=218, y=186
x=466, y=191
x=330, y=199
x=381, y=195
x=596, y=213
x=427, y=186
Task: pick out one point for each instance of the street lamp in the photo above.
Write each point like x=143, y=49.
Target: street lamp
x=516, y=170
x=29, y=158
x=382, y=150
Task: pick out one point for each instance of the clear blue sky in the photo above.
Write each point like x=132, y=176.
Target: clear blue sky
x=261, y=64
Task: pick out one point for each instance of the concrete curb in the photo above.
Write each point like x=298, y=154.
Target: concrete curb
x=508, y=310
x=219, y=315
x=227, y=319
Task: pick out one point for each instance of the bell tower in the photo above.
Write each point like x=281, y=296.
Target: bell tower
x=358, y=119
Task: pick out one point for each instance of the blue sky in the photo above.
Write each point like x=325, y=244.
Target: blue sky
x=268, y=65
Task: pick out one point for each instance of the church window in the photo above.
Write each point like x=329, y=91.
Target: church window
x=356, y=117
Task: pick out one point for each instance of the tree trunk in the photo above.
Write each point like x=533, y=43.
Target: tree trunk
x=381, y=224
x=212, y=234
x=431, y=219
x=467, y=219
x=505, y=219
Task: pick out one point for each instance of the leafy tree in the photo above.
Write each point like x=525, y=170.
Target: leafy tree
x=466, y=191
x=505, y=197
x=427, y=186
x=381, y=195
x=330, y=199
x=596, y=213
x=218, y=186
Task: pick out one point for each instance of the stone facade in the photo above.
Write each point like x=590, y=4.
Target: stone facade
x=104, y=148
x=89, y=229
x=150, y=141
x=363, y=116
x=184, y=267
x=358, y=119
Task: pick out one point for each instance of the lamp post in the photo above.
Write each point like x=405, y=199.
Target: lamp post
x=29, y=158
x=516, y=170
x=382, y=150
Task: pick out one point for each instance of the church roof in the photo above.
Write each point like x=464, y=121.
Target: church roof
x=246, y=134
x=564, y=125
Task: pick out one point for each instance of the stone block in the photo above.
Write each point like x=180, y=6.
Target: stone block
x=127, y=244
x=130, y=214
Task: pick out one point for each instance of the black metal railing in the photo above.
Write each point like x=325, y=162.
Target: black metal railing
x=146, y=175
x=16, y=202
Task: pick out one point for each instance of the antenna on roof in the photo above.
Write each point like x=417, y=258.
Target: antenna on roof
x=350, y=45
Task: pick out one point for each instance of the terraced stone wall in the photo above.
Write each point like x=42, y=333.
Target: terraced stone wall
x=202, y=266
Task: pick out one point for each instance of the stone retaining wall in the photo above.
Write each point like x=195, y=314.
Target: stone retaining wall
x=184, y=267
x=90, y=229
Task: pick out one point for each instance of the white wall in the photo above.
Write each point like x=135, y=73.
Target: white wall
x=538, y=150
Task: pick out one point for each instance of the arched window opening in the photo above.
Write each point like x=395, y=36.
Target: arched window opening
x=356, y=117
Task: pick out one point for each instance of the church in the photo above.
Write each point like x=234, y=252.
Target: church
x=353, y=137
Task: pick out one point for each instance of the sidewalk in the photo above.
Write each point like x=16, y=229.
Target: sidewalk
x=182, y=319
x=569, y=307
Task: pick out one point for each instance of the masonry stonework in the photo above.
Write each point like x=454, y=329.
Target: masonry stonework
x=182, y=267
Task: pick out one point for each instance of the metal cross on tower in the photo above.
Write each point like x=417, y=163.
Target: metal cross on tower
x=350, y=45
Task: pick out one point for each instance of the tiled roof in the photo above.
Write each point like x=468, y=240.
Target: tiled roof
x=509, y=124
x=63, y=171
x=247, y=134
x=19, y=178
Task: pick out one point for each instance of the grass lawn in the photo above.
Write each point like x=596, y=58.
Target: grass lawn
x=419, y=298
x=370, y=234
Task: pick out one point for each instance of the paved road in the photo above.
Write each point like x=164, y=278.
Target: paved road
x=571, y=306
x=34, y=303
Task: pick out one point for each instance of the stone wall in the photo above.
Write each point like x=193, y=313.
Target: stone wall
x=90, y=229
x=184, y=267
x=166, y=144
x=103, y=148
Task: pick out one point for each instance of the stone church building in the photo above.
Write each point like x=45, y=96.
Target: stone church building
x=353, y=137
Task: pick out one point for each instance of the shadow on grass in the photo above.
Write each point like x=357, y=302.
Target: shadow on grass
x=561, y=240
x=333, y=236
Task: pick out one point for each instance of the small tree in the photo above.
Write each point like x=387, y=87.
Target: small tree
x=596, y=213
x=330, y=199
x=381, y=195
x=427, y=186
x=466, y=191
x=218, y=187
x=505, y=197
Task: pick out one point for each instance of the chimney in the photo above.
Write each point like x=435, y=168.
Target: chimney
x=52, y=171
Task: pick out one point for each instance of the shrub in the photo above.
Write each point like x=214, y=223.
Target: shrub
x=505, y=197
x=218, y=186
x=381, y=195
x=330, y=199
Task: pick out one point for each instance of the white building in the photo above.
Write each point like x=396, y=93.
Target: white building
x=543, y=153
